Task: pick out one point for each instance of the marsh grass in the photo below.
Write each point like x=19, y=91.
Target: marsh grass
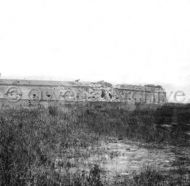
x=32, y=139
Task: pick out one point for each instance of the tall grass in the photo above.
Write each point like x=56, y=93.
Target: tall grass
x=143, y=125
x=31, y=140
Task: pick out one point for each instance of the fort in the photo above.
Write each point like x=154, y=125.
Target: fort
x=35, y=92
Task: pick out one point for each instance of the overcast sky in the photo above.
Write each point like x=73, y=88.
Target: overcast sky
x=120, y=41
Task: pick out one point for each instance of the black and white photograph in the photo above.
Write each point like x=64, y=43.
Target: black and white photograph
x=95, y=93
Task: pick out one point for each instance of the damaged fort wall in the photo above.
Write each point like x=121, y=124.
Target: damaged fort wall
x=31, y=92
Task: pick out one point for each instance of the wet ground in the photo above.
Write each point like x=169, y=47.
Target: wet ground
x=124, y=157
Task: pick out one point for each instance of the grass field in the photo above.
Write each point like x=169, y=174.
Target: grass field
x=33, y=140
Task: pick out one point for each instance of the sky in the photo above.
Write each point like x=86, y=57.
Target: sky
x=119, y=41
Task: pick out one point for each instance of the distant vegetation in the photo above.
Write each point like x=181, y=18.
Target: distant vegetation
x=31, y=140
